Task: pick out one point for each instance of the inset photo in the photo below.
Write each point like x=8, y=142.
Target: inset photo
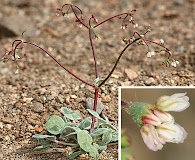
x=157, y=123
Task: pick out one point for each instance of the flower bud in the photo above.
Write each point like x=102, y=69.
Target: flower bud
x=176, y=102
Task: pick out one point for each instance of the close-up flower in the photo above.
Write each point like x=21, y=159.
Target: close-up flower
x=157, y=126
x=176, y=102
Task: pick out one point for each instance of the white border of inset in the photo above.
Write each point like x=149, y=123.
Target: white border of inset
x=138, y=87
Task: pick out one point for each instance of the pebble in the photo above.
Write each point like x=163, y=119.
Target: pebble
x=73, y=96
x=38, y=129
x=131, y=74
x=1, y=125
x=115, y=76
x=7, y=138
x=67, y=100
x=82, y=85
x=178, y=2
x=149, y=81
x=105, y=98
x=38, y=107
x=8, y=126
x=126, y=83
x=27, y=100
x=30, y=127
x=89, y=105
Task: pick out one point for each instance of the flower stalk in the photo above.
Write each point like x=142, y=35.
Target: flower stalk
x=127, y=19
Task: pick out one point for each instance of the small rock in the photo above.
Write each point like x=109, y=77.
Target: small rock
x=126, y=83
x=90, y=102
x=103, y=155
x=131, y=74
x=115, y=76
x=149, y=81
x=1, y=125
x=9, y=126
x=37, y=107
x=30, y=127
x=60, y=99
x=11, y=26
x=83, y=156
x=7, y=138
x=105, y=98
x=178, y=2
x=73, y=96
x=38, y=129
x=82, y=85
x=27, y=100
x=67, y=100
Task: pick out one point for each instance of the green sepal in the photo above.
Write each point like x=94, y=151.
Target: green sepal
x=137, y=110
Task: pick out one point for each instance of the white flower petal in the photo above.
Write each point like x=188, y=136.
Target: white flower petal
x=151, y=119
x=177, y=102
x=164, y=116
x=172, y=132
x=150, y=137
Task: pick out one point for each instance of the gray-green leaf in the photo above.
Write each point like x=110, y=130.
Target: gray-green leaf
x=41, y=136
x=55, y=125
x=107, y=136
x=86, y=123
x=104, y=122
x=72, y=115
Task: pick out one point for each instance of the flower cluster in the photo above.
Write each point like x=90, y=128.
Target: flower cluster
x=150, y=54
x=157, y=126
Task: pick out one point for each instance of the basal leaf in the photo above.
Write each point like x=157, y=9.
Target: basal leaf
x=72, y=115
x=55, y=125
x=102, y=121
x=42, y=136
x=74, y=155
x=86, y=123
x=114, y=136
x=107, y=136
x=84, y=140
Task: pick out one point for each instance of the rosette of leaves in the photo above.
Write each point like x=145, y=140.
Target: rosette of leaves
x=72, y=128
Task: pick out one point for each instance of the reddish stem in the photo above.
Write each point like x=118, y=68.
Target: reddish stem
x=166, y=49
x=78, y=78
x=109, y=19
x=77, y=16
x=93, y=52
x=94, y=108
x=117, y=61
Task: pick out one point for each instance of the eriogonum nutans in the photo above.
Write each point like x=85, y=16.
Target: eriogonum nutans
x=157, y=126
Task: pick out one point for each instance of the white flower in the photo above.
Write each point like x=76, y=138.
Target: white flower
x=17, y=71
x=171, y=132
x=176, y=102
x=150, y=54
x=135, y=25
x=67, y=15
x=123, y=27
x=130, y=19
x=174, y=63
x=162, y=41
x=155, y=136
x=150, y=137
x=80, y=25
x=158, y=126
